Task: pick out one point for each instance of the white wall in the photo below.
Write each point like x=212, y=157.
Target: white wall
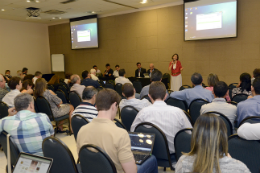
x=24, y=44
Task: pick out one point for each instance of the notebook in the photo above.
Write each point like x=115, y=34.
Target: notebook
x=28, y=163
x=141, y=146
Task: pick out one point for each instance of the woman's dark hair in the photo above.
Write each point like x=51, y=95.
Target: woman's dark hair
x=245, y=79
x=13, y=82
x=177, y=56
x=26, y=83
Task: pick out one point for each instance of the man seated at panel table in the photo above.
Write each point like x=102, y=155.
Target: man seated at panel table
x=27, y=128
x=93, y=74
x=75, y=81
x=86, y=107
x=108, y=72
x=151, y=69
x=169, y=119
x=115, y=141
x=128, y=91
x=198, y=92
x=139, y=72
x=87, y=81
x=219, y=103
x=251, y=106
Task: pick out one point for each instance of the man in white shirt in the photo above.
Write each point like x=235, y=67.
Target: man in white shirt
x=75, y=80
x=249, y=131
x=116, y=72
x=36, y=76
x=169, y=119
x=128, y=91
x=93, y=74
x=15, y=85
x=98, y=72
x=219, y=103
x=122, y=79
x=87, y=108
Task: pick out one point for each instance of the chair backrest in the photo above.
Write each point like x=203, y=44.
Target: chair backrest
x=177, y=103
x=194, y=108
x=146, y=97
x=161, y=148
x=43, y=106
x=233, y=103
x=3, y=110
x=109, y=85
x=63, y=160
x=75, y=99
x=128, y=114
x=119, y=124
x=182, y=142
x=168, y=76
x=233, y=85
x=77, y=121
x=245, y=151
x=50, y=87
x=64, y=89
x=226, y=120
x=183, y=87
x=14, y=151
x=252, y=120
x=239, y=97
x=118, y=89
x=138, y=86
x=96, y=161
x=188, y=116
x=62, y=96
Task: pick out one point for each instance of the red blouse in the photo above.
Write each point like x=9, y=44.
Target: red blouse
x=177, y=71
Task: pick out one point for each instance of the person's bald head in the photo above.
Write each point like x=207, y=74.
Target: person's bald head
x=151, y=66
x=2, y=81
x=75, y=79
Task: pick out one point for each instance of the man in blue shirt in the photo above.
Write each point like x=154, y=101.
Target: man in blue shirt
x=87, y=81
x=251, y=106
x=198, y=92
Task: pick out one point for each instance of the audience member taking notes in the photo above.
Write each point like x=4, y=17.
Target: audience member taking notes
x=198, y=92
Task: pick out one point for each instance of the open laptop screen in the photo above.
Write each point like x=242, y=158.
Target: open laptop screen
x=142, y=142
x=28, y=163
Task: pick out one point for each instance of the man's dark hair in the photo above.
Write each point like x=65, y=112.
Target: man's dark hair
x=89, y=92
x=138, y=63
x=156, y=75
x=94, y=66
x=256, y=85
x=107, y=65
x=24, y=69
x=105, y=98
x=13, y=82
x=7, y=71
x=157, y=90
x=196, y=79
x=256, y=73
x=121, y=72
x=84, y=74
x=116, y=66
x=128, y=90
x=220, y=89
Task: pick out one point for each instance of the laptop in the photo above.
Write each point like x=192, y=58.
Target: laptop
x=28, y=163
x=141, y=146
x=146, y=75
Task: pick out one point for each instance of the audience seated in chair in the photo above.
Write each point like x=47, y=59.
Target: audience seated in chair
x=128, y=91
x=219, y=103
x=93, y=74
x=27, y=86
x=251, y=106
x=122, y=79
x=25, y=71
x=3, y=90
x=87, y=81
x=76, y=81
x=169, y=119
x=7, y=75
x=256, y=74
x=37, y=75
x=249, y=131
x=27, y=128
x=58, y=108
x=15, y=85
x=87, y=108
x=55, y=82
x=198, y=92
x=103, y=133
x=209, y=149
x=244, y=87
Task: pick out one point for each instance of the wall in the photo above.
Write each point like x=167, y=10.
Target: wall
x=154, y=36
x=24, y=44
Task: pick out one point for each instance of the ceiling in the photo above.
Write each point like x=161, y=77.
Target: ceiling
x=16, y=9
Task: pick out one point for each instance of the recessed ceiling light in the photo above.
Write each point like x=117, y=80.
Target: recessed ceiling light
x=143, y=2
x=28, y=1
x=37, y=1
x=93, y=12
x=2, y=9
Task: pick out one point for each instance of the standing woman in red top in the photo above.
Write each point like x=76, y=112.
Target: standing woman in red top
x=175, y=68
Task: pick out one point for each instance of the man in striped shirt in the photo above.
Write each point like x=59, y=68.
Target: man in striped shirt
x=87, y=108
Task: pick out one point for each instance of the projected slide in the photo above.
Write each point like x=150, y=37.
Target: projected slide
x=206, y=19
x=83, y=35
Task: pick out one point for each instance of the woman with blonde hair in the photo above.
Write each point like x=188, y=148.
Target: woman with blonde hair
x=212, y=80
x=58, y=108
x=209, y=149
